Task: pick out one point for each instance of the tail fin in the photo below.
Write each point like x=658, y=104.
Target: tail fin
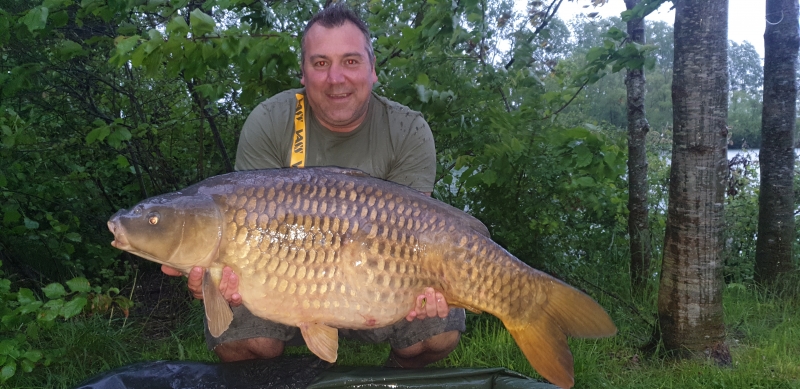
x=542, y=331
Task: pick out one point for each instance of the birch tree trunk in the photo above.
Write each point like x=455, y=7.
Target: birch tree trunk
x=690, y=295
x=638, y=226
x=776, y=197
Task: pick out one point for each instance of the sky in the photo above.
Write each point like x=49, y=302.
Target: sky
x=745, y=17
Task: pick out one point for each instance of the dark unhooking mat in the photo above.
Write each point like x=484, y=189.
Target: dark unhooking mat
x=300, y=372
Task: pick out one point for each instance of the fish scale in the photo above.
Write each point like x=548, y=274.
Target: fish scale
x=302, y=223
x=327, y=248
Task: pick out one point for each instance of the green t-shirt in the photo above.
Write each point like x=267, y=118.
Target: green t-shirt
x=393, y=143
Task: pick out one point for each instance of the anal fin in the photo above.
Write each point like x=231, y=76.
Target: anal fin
x=218, y=312
x=458, y=304
x=322, y=340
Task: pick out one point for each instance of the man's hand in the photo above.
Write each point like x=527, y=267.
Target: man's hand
x=229, y=286
x=429, y=304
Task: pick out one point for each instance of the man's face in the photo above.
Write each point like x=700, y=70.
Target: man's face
x=338, y=75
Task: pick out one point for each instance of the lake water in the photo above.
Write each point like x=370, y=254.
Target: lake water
x=753, y=153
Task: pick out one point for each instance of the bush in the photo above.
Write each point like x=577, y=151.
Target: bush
x=23, y=315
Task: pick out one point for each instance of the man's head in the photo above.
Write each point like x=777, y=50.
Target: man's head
x=336, y=15
x=338, y=67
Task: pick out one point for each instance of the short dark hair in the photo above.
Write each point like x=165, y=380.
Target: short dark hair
x=336, y=15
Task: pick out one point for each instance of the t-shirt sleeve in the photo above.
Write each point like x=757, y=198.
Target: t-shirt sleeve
x=262, y=143
x=415, y=158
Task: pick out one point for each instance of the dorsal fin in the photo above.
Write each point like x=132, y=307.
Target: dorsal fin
x=340, y=170
x=477, y=226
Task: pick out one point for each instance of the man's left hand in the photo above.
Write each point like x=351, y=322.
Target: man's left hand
x=429, y=304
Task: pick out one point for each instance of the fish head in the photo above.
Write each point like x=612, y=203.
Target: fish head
x=175, y=230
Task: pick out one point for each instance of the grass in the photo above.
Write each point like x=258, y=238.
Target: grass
x=763, y=333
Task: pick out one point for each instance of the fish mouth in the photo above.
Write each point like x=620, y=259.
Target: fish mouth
x=120, y=241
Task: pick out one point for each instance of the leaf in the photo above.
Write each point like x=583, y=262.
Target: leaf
x=118, y=136
x=52, y=308
x=124, y=45
x=59, y=19
x=8, y=370
x=126, y=29
x=70, y=49
x=30, y=307
x=25, y=296
x=32, y=355
x=97, y=134
x=54, y=291
x=73, y=307
x=54, y=304
x=7, y=347
x=122, y=161
x=177, y=26
x=73, y=236
x=11, y=216
x=489, y=177
x=583, y=157
x=32, y=331
x=155, y=35
x=54, y=3
x=585, y=181
x=36, y=18
x=30, y=224
x=26, y=365
x=201, y=23
x=422, y=79
x=79, y=284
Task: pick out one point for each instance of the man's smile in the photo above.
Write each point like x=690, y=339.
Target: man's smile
x=338, y=95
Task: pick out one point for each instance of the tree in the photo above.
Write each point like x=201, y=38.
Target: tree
x=746, y=79
x=690, y=294
x=776, y=197
x=638, y=226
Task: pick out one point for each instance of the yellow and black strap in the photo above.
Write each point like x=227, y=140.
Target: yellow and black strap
x=299, y=138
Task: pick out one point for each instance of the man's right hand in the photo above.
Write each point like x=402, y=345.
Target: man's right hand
x=229, y=286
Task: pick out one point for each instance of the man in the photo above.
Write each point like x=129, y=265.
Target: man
x=348, y=126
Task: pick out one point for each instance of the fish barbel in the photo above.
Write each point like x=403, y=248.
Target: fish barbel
x=328, y=248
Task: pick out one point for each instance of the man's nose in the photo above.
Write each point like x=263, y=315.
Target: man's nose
x=335, y=74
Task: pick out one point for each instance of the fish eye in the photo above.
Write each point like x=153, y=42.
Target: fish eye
x=137, y=210
x=152, y=218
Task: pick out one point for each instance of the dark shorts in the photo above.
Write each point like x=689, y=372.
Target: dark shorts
x=399, y=335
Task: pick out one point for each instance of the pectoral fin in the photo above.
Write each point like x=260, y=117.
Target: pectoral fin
x=218, y=312
x=322, y=340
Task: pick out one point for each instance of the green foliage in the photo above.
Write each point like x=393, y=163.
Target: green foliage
x=746, y=80
x=91, y=121
x=763, y=327
x=24, y=314
x=103, y=103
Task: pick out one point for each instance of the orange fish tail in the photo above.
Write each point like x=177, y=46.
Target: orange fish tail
x=541, y=332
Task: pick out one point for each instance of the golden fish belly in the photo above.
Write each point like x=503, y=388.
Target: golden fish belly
x=337, y=253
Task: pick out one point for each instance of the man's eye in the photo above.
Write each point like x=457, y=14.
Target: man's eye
x=320, y=63
x=351, y=62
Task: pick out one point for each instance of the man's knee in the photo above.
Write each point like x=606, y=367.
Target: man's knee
x=445, y=342
x=425, y=352
x=253, y=348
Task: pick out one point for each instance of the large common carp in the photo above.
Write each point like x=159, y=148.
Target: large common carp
x=327, y=248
